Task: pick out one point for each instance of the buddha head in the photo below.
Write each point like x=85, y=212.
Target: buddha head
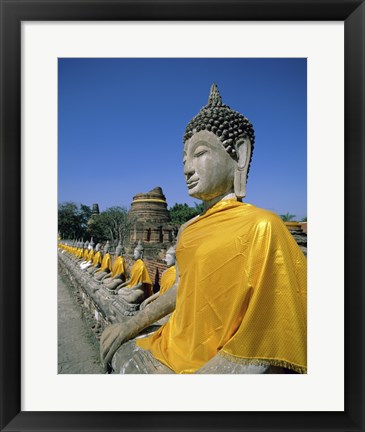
x=86, y=245
x=97, y=247
x=170, y=256
x=218, y=145
x=138, y=251
x=107, y=247
x=119, y=250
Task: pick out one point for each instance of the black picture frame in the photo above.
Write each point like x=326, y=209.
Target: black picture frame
x=13, y=12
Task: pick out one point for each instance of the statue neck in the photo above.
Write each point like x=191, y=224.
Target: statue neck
x=225, y=196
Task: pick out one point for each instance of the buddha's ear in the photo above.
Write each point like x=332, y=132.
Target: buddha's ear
x=243, y=152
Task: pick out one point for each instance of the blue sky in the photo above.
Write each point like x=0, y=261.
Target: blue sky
x=121, y=122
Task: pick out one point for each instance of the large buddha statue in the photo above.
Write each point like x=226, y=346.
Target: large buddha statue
x=139, y=286
x=106, y=264
x=239, y=300
x=117, y=275
x=167, y=279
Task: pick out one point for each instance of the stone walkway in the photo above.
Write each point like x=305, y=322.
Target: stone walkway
x=78, y=352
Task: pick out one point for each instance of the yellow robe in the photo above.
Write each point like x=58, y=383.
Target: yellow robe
x=97, y=259
x=106, y=264
x=118, y=266
x=90, y=255
x=242, y=293
x=139, y=273
x=85, y=254
x=167, y=279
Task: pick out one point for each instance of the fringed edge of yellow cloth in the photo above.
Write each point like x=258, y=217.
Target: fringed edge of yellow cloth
x=264, y=362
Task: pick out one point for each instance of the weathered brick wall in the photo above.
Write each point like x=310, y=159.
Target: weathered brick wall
x=155, y=269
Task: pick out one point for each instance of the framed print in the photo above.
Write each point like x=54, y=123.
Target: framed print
x=36, y=39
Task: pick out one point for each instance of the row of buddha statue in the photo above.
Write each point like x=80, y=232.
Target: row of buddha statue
x=112, y=272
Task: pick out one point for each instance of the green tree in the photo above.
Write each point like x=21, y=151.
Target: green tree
x=111, y=224
x=181, y=213
x=287, y=217
x=84, y=217
x=72, y=220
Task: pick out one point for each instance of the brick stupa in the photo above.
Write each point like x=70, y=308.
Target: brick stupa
x=150, y=218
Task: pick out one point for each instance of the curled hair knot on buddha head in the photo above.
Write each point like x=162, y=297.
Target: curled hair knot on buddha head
x=228, y=125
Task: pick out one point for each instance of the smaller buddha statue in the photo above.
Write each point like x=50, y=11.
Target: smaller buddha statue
x=80, y=253
x=117, y=275
x=89, y=256
x=139, y=286
x=96, y=263
x=106, y=264
x=80, y=250
x=168, y=277
x=84, y=252
x=76, y=253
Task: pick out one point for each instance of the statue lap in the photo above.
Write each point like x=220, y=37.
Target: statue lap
x=100, y=275
x=131, y=359
x=112, y=284
x=135, y=296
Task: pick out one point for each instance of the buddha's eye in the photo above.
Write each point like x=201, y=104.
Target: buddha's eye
x=199, y=153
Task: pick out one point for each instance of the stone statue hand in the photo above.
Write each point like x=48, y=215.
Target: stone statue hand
x=143, y=304
x=149, y=300
x=111, y=339
x=116, y=334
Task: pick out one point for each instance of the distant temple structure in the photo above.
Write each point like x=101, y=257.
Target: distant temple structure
x=150, y=218
x=95, y=210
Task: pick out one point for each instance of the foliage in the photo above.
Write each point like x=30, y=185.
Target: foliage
x=287, y=217
x=304, y=219
x=111, y=224
x=181, y=213
x=72, y=220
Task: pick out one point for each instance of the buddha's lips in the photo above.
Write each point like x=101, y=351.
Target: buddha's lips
x=192, y=184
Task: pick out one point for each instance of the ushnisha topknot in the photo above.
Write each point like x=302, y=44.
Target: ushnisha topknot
x=227, y=124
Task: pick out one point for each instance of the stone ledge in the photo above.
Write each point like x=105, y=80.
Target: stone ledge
x=99, y=307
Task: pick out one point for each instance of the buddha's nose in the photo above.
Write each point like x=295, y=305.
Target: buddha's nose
x=188, y=170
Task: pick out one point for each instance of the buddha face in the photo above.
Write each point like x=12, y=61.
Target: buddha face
x=137, y=254
x=208, y=168
x=170, y=259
